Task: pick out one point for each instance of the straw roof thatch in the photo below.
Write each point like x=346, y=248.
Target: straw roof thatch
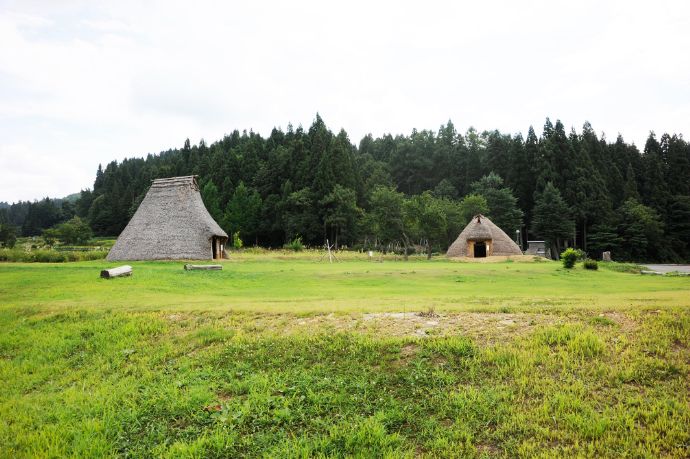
x=170, y=223
x=479, y=229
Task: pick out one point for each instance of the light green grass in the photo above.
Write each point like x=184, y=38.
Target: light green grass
x=249, y=362
x=288, y=283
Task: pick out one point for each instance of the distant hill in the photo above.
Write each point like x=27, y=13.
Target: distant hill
x=72, y=197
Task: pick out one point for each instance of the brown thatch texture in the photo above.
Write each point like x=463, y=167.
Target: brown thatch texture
x=481, y=228
x=171, y=223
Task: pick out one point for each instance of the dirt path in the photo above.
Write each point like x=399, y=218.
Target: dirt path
x=669, y=268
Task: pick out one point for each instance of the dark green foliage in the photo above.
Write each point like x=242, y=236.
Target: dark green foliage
x=74, y=231
x=296, y=179
x=8, y=235
x=243, y=213
x=503, y=206
x=427, y=220
x=445, y=189
x=387, y=218
x=472, y=205
x=551, y=218
x=341, y=215
x=211, y=198
x=678, y=228
x=641, y=229
x=590, y=264
x=295, y=245
x=604, y=237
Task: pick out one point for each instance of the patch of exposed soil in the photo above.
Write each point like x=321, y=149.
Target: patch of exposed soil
x=483, y=327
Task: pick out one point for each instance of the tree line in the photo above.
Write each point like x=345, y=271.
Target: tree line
x=568, y=188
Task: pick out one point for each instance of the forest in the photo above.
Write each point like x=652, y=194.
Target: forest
x=409, y=191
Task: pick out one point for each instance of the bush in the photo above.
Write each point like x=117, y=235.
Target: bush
x=236, y=241
x=74, y=231
x=569, y=257
x=591, y=264
x=49, y=256
x=295, y=245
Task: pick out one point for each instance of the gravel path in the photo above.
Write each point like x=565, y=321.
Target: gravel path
x=669, y=268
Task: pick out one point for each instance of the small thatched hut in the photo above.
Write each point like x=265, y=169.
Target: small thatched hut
x=171, y=223
x=481, y=238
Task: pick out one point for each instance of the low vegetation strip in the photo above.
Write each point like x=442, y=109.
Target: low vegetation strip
x=50, y=256
x=298, y=358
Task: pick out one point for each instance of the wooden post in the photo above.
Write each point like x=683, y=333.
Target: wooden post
x=330, y=255
x=120, y=271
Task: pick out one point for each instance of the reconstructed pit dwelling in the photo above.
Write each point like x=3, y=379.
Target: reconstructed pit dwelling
x=171, y=223
x=481, y=238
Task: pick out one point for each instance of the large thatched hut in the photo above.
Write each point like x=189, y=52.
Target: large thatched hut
x=481, y=238
x=171, y=223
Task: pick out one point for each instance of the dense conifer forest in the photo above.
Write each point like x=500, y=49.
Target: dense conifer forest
x=568, y=188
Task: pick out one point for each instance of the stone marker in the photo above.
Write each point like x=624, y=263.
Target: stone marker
x=606, y=256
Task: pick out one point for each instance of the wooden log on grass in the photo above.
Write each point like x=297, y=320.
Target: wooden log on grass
x=120, y=271
x=654, y=273
x=189, y=267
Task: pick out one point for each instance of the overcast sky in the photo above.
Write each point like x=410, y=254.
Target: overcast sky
x=86, y=82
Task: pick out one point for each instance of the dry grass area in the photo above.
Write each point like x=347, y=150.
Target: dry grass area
x=484, y=328
x=500, y=259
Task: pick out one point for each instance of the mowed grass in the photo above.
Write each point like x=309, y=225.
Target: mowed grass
x=303, y=284
x=285, y=356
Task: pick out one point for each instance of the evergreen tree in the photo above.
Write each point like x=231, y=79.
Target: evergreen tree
x=552, y=219
x=341, y=214
x=8, y=235
x=630, y=186
x=209, y=194
x=427, y=220
x=471, y=205
x=503, y=207
x=640, y=228
x=243, y=212
x=387, y=217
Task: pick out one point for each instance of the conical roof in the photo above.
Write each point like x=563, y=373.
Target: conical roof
x=481, y=228
x=171, y=223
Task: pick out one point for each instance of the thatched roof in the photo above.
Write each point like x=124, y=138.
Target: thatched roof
x=170, y=223
x=481, y=228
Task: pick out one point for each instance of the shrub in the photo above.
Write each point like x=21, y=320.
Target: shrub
x=49, y=256
x=74, y=231
x=591, y=264
x=569, y=257
x=236, y=241
x=295, y=245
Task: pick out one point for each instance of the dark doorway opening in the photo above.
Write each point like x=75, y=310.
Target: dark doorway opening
x=479, y=249
x=215, y=247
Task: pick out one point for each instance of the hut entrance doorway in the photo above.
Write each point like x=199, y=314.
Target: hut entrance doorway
x=480, y=250
x=216, y=248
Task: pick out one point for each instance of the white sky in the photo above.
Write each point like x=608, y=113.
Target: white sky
x=86, y=82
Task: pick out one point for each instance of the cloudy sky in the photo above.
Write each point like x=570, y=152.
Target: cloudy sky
x=86, y=82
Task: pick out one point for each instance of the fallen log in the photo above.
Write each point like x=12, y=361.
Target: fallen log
x=655, y=273
x=120, y=271
x=189, y=267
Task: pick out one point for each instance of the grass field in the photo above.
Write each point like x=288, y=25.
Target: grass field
x=281, y=355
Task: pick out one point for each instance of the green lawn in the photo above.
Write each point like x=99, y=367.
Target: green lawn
x=281, y=355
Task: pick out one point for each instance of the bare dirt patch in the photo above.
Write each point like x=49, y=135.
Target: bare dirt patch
x=480, y=326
